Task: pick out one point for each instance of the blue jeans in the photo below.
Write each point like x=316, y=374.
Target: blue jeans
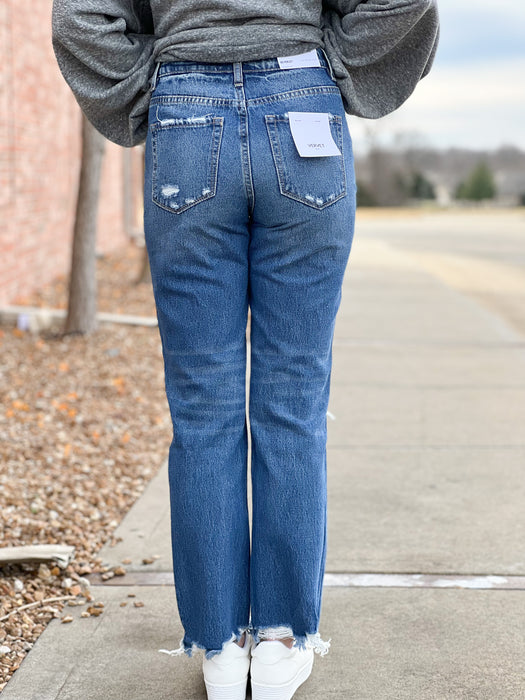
x=236, y=219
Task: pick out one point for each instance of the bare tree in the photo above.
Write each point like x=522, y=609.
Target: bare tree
x=82, y=302
x=134, y=171
x=144, y=275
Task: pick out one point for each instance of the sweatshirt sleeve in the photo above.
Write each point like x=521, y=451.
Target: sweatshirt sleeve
x=104, y=49
x=379, y=50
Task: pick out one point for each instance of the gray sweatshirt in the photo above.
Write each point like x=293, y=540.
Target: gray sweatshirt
x=107, y=50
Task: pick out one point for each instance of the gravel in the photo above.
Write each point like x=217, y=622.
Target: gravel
x=84, y=426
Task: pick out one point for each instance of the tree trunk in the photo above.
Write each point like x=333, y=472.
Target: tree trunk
x=82, y=303
x=145, y=270
x=144, y=275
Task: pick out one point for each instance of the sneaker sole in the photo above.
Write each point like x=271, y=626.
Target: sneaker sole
x=285, y=691
x=235, y=691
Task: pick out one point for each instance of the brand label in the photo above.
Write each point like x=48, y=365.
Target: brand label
x=310, y=59
x=312, y=135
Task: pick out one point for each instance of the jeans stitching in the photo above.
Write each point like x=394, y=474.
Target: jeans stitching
x=268, y=99
x=191, y=99
x=290, y=94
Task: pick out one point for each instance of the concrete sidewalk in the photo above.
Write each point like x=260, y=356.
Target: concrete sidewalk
x=424, y=595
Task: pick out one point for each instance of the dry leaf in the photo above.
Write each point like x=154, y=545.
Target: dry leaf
x=59, y=404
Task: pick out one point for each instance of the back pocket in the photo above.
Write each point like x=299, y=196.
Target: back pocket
x=315, y=181
x=185, y=161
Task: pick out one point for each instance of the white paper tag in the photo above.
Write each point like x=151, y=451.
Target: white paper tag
x=311, y=134
x=310, y=59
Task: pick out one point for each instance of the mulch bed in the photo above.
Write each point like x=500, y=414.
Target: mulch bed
x=84, y=426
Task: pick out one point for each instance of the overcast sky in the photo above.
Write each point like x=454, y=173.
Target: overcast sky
x=474, y=96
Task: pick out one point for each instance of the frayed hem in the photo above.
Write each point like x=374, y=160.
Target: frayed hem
x=314, y=641
x=309, y=640
x=189, y=648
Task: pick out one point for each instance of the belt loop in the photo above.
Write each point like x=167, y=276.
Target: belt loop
x=328, y=62
x=237, y=73
x=153, y=79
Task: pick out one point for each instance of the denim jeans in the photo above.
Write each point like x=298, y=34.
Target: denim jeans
x=234, y=219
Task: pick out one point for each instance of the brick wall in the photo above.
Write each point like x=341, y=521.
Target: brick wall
x=40, y=158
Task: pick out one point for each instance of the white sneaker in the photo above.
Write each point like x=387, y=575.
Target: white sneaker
x=278, y=671
x=226, y=674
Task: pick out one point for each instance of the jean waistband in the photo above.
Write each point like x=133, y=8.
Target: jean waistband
x=173, y=67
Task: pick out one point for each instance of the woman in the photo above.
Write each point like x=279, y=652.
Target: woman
x=249, y=204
